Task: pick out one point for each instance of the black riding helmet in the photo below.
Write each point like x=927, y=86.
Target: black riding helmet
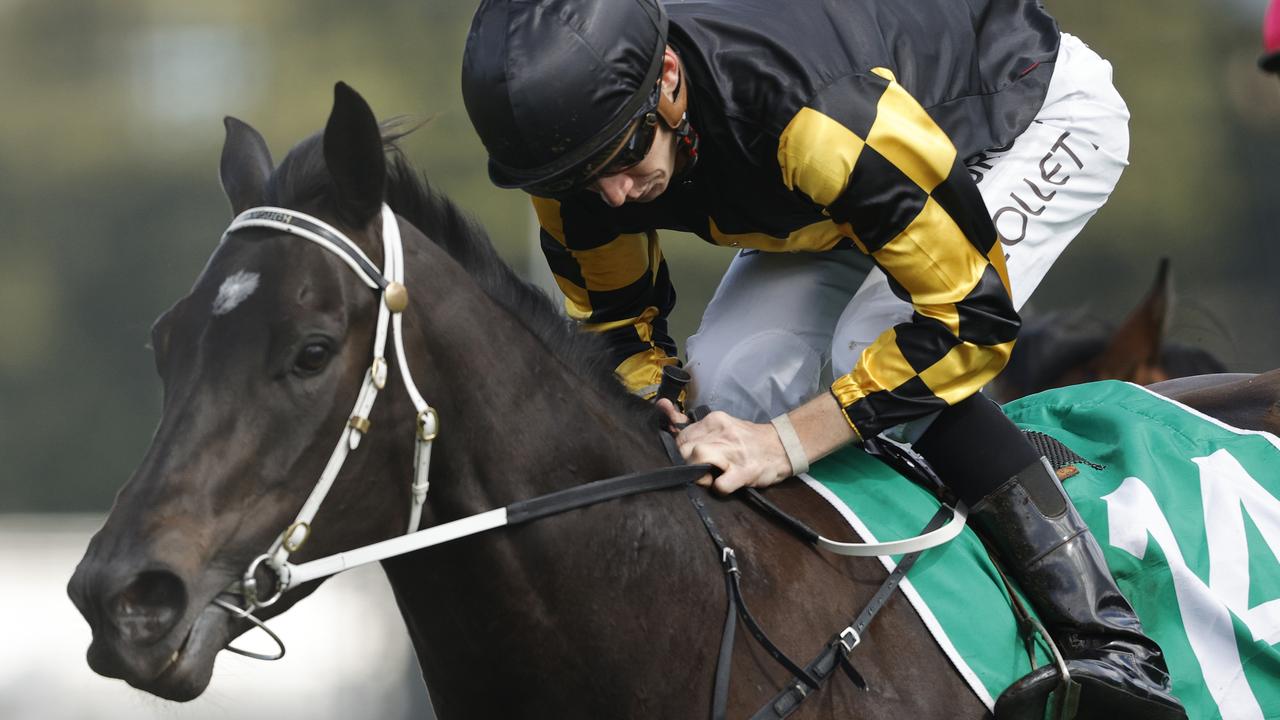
x=554, y=87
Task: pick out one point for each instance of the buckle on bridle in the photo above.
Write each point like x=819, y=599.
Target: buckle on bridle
x=302, y=530
x=428, y=424
x=852, y=640
x=729, y=560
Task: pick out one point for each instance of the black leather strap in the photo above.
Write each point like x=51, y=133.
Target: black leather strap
x=809, y=679
x=788, y=700
x=836, y=651
x=805, y=532
x=737, y=609
x=601, y=490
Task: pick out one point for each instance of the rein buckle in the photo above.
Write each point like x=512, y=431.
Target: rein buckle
x=849, y=643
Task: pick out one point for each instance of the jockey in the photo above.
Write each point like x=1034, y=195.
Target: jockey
x=897, y=177
x=1270, y=60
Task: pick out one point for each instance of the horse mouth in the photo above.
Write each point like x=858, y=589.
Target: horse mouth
x=190, y=667
x=185, y=673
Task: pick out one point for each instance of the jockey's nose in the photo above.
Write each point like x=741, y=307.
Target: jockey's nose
x=615, y=189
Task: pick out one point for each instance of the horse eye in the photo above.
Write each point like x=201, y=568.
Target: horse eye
x=312, y=358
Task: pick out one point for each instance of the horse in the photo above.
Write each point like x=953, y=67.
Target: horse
x=610, y=611
x=1057, y=349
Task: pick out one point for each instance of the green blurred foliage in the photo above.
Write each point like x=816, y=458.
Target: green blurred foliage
x=110, y=204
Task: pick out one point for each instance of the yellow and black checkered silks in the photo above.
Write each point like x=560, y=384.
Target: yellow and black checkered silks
x=614, y=284
x=840, y=128
x=890, y=178
x=883, y=176
x=876, y=172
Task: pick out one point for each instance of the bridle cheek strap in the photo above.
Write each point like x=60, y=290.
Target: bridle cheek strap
x=390, y=283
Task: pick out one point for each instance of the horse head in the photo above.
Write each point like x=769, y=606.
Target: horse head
x=260, y=364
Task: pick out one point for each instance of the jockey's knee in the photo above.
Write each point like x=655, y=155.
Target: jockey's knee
x=757, y=377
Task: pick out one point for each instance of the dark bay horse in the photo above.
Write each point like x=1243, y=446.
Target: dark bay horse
x=612, y=611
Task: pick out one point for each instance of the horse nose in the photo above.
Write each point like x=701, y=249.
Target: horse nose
x=141, y=607
x=148, y=607
x=133, y=612
x=138, y=605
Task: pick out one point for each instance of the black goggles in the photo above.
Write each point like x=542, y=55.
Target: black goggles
x=637, y=140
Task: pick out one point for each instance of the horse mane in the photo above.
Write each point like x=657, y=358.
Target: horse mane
x=302, y=177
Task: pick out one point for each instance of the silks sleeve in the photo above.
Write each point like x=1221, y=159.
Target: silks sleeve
x=615, y=284
x=865, y=150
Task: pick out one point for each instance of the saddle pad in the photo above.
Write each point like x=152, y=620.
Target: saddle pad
x=1186, y=509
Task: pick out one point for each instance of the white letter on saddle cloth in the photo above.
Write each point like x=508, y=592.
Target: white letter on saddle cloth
x=1132, y=513
x=1226, y=486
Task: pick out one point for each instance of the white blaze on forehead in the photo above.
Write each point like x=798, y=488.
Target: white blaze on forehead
x=234, y=290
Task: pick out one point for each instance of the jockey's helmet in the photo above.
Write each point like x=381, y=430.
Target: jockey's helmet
x=559, y=90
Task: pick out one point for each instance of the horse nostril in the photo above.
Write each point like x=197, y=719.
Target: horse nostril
x=149, y=606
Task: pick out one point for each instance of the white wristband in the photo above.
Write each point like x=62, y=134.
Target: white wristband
x=791, y=444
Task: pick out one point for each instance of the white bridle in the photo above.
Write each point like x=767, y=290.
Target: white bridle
x=395, y=298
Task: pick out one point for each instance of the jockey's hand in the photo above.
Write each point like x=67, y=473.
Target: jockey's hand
x=747, y=453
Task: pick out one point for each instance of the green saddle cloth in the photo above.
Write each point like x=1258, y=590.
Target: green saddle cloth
x=1186, y=509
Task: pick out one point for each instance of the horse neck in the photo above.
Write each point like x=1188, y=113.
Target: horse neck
x=517, y=422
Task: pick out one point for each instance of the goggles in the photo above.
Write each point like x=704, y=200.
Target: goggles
x=636, y=141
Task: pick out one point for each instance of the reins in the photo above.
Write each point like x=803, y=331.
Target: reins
x=835, y=653
x=394, y=300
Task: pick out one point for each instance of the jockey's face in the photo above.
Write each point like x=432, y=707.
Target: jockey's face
x=645, y=180
x=648, y=178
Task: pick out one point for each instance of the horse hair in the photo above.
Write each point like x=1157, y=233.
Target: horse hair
x=302, y=177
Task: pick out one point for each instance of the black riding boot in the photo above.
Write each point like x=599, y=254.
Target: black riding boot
x=1056, y=561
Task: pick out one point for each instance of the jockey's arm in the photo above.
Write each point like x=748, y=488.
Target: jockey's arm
x=890, y=178
x=615, y=284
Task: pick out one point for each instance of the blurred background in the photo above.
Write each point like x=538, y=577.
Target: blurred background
x=109, y=205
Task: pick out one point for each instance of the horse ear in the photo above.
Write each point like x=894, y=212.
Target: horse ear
x=245, y=166
x=354, y=155
x=1133, y=353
